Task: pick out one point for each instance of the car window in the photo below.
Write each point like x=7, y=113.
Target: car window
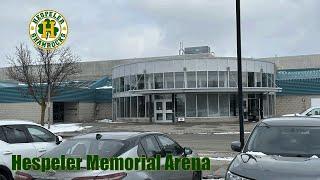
x=313, y=112
x=150, y=146
x=2, y=137
x=39, y=134
x=170, y=146
x=15, y=134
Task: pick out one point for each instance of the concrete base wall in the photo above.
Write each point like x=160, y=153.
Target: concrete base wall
x=188, y=120
x=293, y=104
x=22, y=111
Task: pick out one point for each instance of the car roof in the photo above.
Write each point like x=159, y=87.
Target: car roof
x=292, y=121
x=115, y=135
x=15, y=122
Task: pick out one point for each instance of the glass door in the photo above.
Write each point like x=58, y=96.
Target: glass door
x=163, y=110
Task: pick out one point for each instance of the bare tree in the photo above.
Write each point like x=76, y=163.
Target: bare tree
x=44, y=74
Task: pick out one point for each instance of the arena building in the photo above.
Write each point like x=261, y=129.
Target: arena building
x=194, y=87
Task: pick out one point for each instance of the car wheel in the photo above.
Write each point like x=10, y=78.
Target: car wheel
x=197, y=175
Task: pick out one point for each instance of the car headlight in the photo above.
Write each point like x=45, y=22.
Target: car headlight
x=231, y=176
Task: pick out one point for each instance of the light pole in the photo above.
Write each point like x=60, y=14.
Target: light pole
x=240, y=94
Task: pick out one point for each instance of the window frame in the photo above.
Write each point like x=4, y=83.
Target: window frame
x=22, y=128
x=49, y=132
x=162, y=147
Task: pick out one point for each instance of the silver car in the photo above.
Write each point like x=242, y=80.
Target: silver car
x=117, y=144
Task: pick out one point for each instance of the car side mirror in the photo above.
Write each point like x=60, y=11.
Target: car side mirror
x=58, y=140
x=236, y=146
x=187, y=151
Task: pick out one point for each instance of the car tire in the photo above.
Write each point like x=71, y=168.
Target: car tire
x=3, y=177
x=197, y=175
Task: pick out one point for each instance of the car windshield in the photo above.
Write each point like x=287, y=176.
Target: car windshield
x=285, y=141
x=83, y=147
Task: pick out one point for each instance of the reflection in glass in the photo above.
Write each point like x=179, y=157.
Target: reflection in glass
x=212, y=79
x=179, y=80
x=202, y=105
x=158, y=80
x=191, y=79
x=223, y=79
x=233, y=79
x=180, y=105
x=134, y=106
x=168, y=80
x=213, y=105
x=202, y=79
x=224, y=104
x=191, y=105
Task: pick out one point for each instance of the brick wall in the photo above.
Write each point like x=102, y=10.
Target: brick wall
x=22, y=111
x=293, y=104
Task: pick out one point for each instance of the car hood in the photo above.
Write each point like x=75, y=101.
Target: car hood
x=65, y=175
x=275, y=167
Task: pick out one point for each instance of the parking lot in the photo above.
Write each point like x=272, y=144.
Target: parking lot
x=207, y=139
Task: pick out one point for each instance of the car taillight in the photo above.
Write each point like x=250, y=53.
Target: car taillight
x=22, y=176
x=116, y=176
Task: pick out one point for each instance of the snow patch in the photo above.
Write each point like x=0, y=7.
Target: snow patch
x=108, y=121
x=256, y=153
x=221, y=133
x=314, y=157
x=71, y=127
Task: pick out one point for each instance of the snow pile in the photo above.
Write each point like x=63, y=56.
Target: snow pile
x=221, y=158
x=256, y=153
x=71, y=127
x=105, y=87
x=314, y=157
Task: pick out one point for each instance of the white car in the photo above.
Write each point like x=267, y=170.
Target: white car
x=311, y=112
x=23, y=138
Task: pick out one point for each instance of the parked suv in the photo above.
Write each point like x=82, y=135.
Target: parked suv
x=22, y=138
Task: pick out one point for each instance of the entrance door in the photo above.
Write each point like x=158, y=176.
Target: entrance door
x=163, y=110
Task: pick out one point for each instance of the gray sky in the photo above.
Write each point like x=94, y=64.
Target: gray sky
x=113, y=29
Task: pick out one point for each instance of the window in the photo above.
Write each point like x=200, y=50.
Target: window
x=191, y=79
x=170, y=147
x=15, y=134
x=233, y=105
x=224, y=104
x=127, y=107
x=121, y=84
x=212, y=79
x=213, y=105
x=2, y=137
x=121, y=107
x=141, y=106
x=179, y=80
x=180, y=105
x=244, y=79
x=250, y=79
x=133, y=106
x=202, y=79
x=223, y=79
x=191, y=105
x=133, y=82
x=126, y=83
x=269, y=80
x=264, y=80
x=233, y=79
x=150, y=146
x=40, y=134
x=140, y=79
x=168, y=80
x=202, y=105
x=148, y=81
x=158, y=80
x=258, y=79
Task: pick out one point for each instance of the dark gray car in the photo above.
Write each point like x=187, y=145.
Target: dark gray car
x=116, y=144
x=279, y=148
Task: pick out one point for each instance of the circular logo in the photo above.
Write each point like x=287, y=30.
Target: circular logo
x=48, y=29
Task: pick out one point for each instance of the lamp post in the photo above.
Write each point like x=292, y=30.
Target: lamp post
x=240, y=94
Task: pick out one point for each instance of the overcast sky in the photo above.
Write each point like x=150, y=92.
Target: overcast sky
x=113, y=29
